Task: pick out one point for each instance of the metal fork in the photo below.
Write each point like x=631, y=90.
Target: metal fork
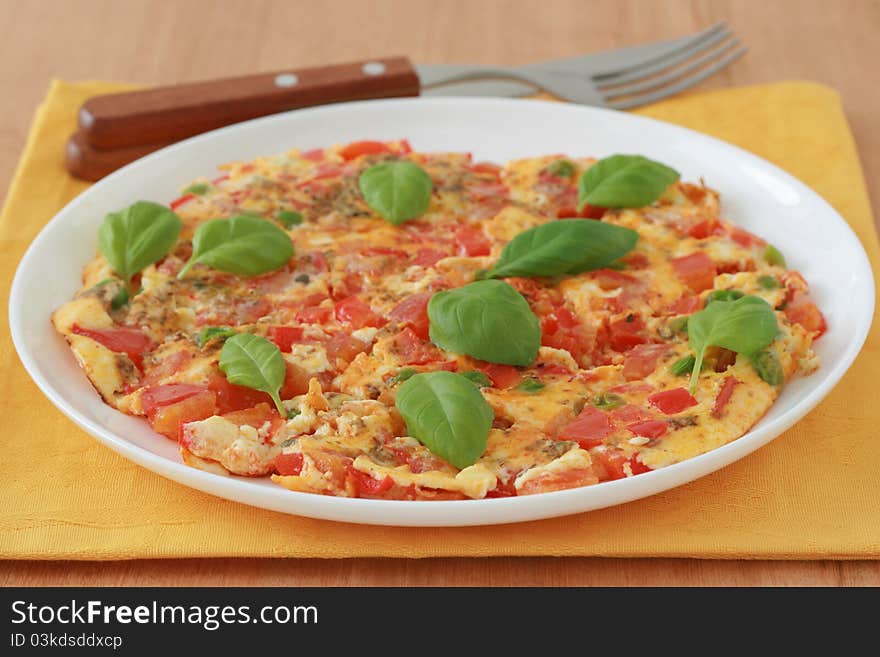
x=619, y=79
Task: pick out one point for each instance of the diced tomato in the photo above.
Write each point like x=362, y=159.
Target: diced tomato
x=414, y=311
x=502, y=376
x=686, y=305
x=471, y=241
x=701, y=230
x=611, y=461
x=629, y=414
x=255, y=417
x=586, y=212
x=610, y=279
x=163, y=395
x=176, y=203
x=696, y=270
x=315, y=315
x=800, y=310
x=351, y=284
x=367, y=485
x=358, y=148
x=503, y=489
x=249, y=311
x=486, y=167
x=428, y=257
x=296, y=381
x=559, y=480
x=168, y=419
x=636, y=260
x=383, y=251
x=314, y=155
x=589, y=428
x=285, y=336
x=122, y=339
x=724, y=396
x=745, y=238
x=413, y=350
x=404, y=147
x=358, y=314
x=672, y=401
x=626, y=333
x=168, y=365
x=234, y=398
x=642, y=360
x=637, y=467
x=649, y=429
x=343, y=347
x=289, y=464
x=561, y=329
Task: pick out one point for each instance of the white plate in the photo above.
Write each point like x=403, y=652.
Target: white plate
x=757, y=195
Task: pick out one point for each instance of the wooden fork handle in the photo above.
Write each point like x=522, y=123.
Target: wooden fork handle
x=167, y=114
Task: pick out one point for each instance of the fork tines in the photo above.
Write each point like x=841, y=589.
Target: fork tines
x=656, y=78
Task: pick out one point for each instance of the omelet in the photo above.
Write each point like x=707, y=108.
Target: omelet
x=603, y=400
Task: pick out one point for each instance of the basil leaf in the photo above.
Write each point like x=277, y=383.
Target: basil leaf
x=745, y=326
x=477, y=378
x=774, y=256
x=215, y=333
x=403, y=375
x=608, y=401
x=398, y=191
x=561, y=169
x=137, y=236
x=624, y=181
x=197, y=188
x=119, y=299
x=768, y=366
x=447, y=414
x=682, y=366
x=566, y=246
x=242, y=245
x=723, y=295
x=768, y=282
x=254, y=362
x=530, y=385
x=488, y=320
x=289, y=218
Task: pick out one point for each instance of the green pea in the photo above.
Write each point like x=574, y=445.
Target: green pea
x=774, y=256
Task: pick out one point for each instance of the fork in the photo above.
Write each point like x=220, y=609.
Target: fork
x=618, y=79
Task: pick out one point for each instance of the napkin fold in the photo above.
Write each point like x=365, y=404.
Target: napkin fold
x=810, y=494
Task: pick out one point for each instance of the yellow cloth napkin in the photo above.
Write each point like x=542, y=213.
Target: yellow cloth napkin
x=812, y=493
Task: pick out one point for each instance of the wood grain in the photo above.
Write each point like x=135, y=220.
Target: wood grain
x=156, y=42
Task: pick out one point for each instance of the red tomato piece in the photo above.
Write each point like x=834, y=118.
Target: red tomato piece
x=745, y=238
x=358, y=148
x=163, y=395
x=296, y=381
x=176, y=203
x=589, y=428
x=343, y=347
x=672, y=401
x=696, y=270
x=471, y=241
x=611, y=279
x=724, y=396
x=315, y=315
x=355, y=312
x=231, y=397
x=486, y=167
x=611, y=461
x=637, y=467
x=365, y=484
x=642, y=360
x=122, y=339
x=649, y=429
x=414, y=311
x=800, y=310
x=314, y=155
x=169, y=419
x=503, y=489
x=636, y=261
x=701, y=230
x=255, y=416
x=383, y=251
x=289, y=464
x=626, y=333
x=285, y=336
x=412, y=349
x=686, y=305
x=562, y=480
x=428, y=257
x=629, y=414
x=251, y=310
x=502, y=376
x=587, y=212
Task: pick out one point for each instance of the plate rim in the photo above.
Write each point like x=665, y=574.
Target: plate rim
x=456, y=512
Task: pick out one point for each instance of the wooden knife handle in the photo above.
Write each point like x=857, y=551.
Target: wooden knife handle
x=167, y=114
x=89, y=163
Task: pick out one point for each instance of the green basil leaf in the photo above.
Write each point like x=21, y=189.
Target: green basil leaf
x=561, y=169
x=723, y=295
x=566, y=246
x=215, y=333
x=682, y=366
x=768, y=282
x=119, y=299
x=399, y=191
x=403, y=375
x=138, y=236
x=241, y=245
x=289, y=218
x=608, y=401
x=488, y=320
x=477, y=378
x=197, y=188
x=624, y=181
x=768, y=366
x=254, y=362
x=774, y=256
x=447, y=414
x=530, y=385
x=745, y=326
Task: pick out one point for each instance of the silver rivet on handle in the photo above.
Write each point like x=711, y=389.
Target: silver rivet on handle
x=373, y=68
x=286, y=80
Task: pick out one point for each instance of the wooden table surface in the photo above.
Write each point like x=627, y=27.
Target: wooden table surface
x=156, y=41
